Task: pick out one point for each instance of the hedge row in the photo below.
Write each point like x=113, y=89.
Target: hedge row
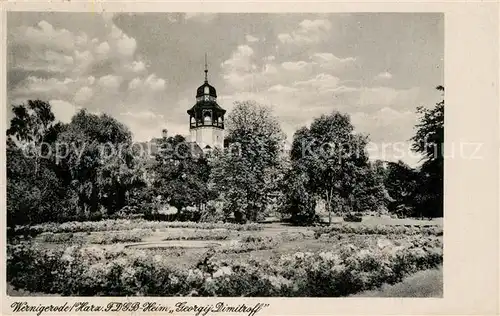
x=97, y=271
x=124, y=224
x=102, y=237
x=344, y=228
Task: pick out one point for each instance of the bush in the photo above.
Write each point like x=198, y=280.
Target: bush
x=80, y=271
x=124, y=224
x=104, y=238
x=199, y=235
x=353, y=218
x=212, y=213
x=296, y=201
x=378, y=230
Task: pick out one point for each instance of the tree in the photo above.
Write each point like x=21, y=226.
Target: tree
x=181, y=176
x=429, y=141
x=297, y=200
x=370, y=191
x=32, y=125
x=36, y=186
x=336, y=163
x=401, y=182
x=99, y=160
x=243, y=173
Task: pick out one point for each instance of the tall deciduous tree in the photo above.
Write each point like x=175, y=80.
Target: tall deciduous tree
x=100, y=162
x=401, y=182
x=337, y=166
x=34, y=129
x=297, y=200
x=429, y=141
x=181, y=173
x=243, y=173
x=36, y=186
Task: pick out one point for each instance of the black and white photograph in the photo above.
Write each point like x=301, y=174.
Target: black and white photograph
x=191, y=154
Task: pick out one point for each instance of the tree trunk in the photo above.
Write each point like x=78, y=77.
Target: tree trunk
x=328, y=207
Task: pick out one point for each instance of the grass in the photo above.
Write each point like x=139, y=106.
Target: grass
x=428, y=283
x=265, y=242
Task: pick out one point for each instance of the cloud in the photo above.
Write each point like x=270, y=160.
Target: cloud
x=151, y=83
x=63, y=110
x=322, y=82
x=84, y=69
x=295, y=66
x=251, y=38
x=381, y=127
x=142, y=115
x=43, y=87
x=103, y=49
x=281, y=88
x=45, y=35
x=308, y=31
x=385, y=96
x=47, y=60
x=136, y=66
x=146, y=124
x=111, y=82
x=240, y=59
x=124, y=45
x=384, y=75
x=83, y=95
x=330, y=61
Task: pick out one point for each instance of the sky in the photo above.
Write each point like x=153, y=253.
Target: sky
x=144, y=68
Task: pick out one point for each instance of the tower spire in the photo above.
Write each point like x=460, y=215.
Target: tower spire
x=206, y=68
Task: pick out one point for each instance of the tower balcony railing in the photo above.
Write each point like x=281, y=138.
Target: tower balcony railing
x=192, y=125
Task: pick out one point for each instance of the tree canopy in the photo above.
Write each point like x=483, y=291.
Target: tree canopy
x=243, y=173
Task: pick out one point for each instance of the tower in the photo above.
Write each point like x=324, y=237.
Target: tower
x=206, y=117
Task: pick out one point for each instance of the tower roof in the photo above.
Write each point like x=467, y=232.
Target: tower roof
x=206, y=88
x=206, y=96
x=201, y=90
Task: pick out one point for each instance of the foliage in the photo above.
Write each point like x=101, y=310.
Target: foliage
x=202, y=234
x=37, y=191
x=100, y=162
x=103, y=238
x=181, y=177
x=108, y=272
x=296, y=200
x=124, y=224
x=408, y=230
x=401, y=182
x=336, y=163
x=429, y=141
x=352, y=218
x=246, y=174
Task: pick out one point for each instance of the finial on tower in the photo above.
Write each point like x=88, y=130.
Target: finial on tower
x=206, y=68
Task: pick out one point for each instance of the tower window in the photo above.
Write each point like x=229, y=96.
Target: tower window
x=206, y=90
x=207, y=117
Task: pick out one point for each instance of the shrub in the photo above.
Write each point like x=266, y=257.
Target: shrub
x=199, y=235
x=124, y=224
x=353, y=218
x=378, y=230
x=96, y=271
x=104, y=237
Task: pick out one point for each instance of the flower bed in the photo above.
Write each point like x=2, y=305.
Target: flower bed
x=124, y=224
x=96, y=271
x=199, y=235
x=103, y=237
x=378, y=230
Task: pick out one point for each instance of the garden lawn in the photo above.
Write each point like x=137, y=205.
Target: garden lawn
x=284, y=259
